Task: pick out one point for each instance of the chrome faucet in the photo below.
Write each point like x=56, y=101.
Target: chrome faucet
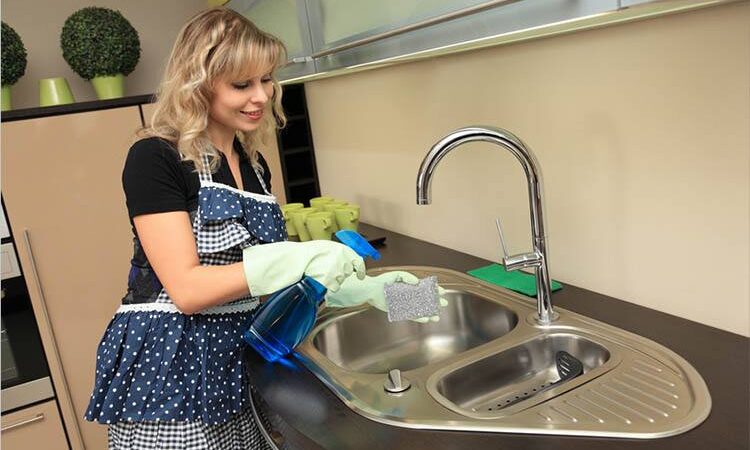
x=536, y=258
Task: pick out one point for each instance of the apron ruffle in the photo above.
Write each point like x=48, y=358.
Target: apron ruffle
x=214, y=237
x=167, y=366
x=222, y=213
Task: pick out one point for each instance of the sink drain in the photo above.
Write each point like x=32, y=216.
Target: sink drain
x=516, y=397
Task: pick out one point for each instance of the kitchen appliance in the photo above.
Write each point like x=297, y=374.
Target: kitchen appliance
x=25, y=376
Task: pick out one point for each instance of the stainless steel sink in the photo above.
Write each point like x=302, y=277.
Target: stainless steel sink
x=467, y=321
x=489, y=365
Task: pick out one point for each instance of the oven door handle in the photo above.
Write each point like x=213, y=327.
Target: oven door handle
x=36, y=418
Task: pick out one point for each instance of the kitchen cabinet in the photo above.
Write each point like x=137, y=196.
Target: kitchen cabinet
x=63, y=197
x=330, y=37
x=37, y=426
x=318, y=32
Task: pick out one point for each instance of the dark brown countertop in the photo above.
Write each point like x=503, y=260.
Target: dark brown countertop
x=312, y=417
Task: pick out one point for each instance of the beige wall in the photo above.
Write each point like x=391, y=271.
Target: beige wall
x=39, y=23
x=641, y=131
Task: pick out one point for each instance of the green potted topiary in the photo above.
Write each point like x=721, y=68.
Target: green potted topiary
x=100, y=45
x=13, y=62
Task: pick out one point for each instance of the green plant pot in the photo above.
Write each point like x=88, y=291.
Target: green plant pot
x=54, y=91
x=109, y=86
x=5, y=98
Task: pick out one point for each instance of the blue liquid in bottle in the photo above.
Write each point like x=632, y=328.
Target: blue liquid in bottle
x=288, y=316
x=284, y=321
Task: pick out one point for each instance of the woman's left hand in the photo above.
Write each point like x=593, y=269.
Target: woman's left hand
x=370, y=290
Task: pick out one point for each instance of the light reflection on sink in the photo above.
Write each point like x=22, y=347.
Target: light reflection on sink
x=467, y=321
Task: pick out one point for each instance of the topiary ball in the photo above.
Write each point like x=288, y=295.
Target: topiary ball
x=13, y=55
x=99, y=42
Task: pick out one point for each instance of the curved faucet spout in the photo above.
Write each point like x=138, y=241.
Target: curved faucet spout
x=538, y=257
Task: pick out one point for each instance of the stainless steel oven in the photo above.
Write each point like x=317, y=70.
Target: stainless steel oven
x=25, y=375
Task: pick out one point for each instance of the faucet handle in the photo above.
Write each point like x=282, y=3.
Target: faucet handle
x=520, y=261
x=502, y=239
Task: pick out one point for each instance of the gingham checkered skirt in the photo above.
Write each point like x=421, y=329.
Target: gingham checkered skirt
x=240, y=433
x=166, y=380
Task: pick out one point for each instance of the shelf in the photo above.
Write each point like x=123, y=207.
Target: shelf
x=296, y=134
x=296, y=150
x=73, y=108
x=301, y=182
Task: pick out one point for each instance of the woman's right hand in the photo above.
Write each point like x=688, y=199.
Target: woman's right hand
x=272, y=267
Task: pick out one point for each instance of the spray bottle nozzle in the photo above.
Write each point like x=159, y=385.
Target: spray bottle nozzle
x=358, y=243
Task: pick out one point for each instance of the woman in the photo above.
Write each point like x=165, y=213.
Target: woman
x=169, y=367
x=209, y=238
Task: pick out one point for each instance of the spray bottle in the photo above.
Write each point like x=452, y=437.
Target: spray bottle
x=287, y=317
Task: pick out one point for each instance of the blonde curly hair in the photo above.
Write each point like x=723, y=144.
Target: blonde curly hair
x=216, y=43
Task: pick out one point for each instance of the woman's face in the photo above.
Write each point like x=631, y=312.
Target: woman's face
x=241, y=104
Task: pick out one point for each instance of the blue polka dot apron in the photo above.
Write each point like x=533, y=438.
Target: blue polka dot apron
x=162, y=376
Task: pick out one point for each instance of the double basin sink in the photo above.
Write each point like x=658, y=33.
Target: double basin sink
x=487, y=365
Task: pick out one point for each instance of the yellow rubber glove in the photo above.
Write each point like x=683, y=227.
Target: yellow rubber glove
x=371, y=290
x=272, y=267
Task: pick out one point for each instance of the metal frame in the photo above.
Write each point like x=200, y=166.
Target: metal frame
x=469, y=25
x=406, y=28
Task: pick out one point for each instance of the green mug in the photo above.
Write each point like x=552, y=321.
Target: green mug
x=318, y=202
x=321, y=225
x=332, y=205
x=347, y=217
x=291, y=230
x=299, y=219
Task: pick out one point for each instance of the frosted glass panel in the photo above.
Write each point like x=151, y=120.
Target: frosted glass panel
x=278, y=17
x=287, y=20
x=344, y=20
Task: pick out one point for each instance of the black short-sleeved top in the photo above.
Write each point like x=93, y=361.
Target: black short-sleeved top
x=156, y=180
